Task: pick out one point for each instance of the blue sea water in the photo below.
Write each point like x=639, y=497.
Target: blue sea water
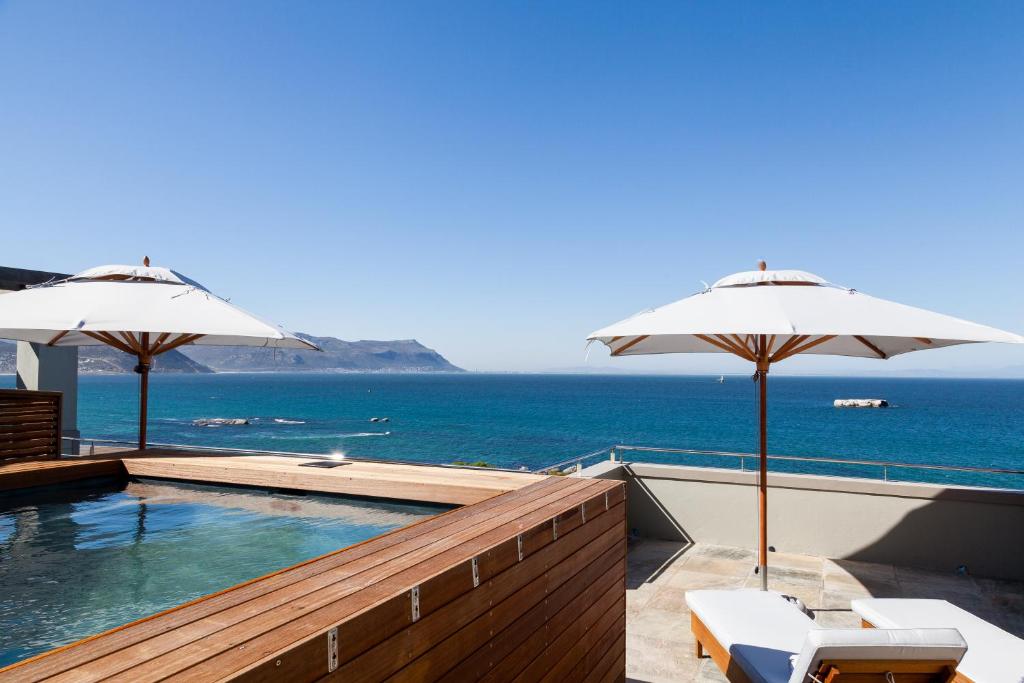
x=534, y=420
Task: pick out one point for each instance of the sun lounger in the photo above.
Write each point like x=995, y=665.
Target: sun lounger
x=993, y=655
x=759, y=637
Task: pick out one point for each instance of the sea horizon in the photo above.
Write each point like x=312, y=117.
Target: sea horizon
x=924, y=374
x=533, y=420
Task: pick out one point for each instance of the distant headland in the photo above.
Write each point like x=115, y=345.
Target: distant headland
x=338, y=355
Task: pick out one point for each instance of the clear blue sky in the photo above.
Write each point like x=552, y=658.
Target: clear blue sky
x=499, y=179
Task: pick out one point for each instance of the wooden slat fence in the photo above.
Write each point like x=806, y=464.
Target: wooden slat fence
x=29, y=425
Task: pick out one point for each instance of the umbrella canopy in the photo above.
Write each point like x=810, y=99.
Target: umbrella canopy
x=141, y=310
x=765, y=316
x=799, y=312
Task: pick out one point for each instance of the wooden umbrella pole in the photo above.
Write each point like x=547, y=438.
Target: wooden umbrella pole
x=143, y=369
x=762, y=493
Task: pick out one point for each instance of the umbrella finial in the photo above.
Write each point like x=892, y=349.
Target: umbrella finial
x=761, y=265
x=145, y=261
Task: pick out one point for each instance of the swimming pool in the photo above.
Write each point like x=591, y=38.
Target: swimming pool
x=79, y=560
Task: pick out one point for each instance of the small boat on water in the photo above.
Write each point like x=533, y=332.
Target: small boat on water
x=721, y=379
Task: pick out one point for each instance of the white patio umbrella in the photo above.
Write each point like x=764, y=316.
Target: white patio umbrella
x=144, y=311
x=766, y=316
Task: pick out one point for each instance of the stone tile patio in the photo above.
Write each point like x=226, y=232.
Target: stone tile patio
x=659, y=646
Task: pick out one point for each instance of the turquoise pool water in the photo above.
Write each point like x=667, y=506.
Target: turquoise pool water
x=76, y=561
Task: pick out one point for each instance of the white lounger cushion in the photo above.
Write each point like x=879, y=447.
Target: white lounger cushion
x=993, y=655
x=918, y=644
x=759, y=629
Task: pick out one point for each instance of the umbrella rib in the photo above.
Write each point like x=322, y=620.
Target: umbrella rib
x=115, y=342
x=155, y=348
x=865, y=342
x=714, y=342
x=108, y=339
x=787, y=345
x=57, y=337
x=720, y=345
x=131, y=341
x=808, y=345
x=178, y=341
x=631, y=344
x=745, y=344
x=741, y=351
x=923, y=340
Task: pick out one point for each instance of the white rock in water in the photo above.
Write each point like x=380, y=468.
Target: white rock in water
x=860, y=403
x=218, y=421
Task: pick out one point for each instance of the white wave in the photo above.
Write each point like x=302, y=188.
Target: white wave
x=321, y=437
x=282, y=421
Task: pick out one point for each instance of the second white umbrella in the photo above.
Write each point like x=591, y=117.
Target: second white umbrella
x=766, y=316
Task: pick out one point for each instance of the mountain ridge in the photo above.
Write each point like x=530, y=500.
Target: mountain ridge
x=397, y=356
x=336, y=355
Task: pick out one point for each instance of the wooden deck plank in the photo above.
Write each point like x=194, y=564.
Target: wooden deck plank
x=498, y=630
x=252, y=618
x=557, y=644
x=604, y=646
x=390, y=654
x=573, y=662
x=19, y=475
x=386, y=658
x=519, y=657
x=116, y=646
x=424, y=469
x=365, y=631
x=266, y=630
x=612, y=666
x=405, y=482
x=258, y=630
x=380, y=480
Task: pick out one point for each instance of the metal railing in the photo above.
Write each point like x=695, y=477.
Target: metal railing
x=615, y=454
x=575, y=465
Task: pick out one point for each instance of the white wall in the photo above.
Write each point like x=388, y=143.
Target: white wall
x=913, y=525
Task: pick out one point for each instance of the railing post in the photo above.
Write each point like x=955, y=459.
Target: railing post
x=612, y=455
x=885, y=473
x=742, y=463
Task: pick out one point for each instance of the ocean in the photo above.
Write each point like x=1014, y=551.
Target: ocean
x=530, y=421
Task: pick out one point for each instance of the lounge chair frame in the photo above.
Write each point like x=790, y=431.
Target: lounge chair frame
x=719, y=655
x=834, y=671
x=957, y=676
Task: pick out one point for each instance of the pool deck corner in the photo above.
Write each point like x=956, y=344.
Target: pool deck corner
x=417, y=483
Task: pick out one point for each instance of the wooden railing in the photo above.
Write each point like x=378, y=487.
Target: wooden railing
x=29, y=424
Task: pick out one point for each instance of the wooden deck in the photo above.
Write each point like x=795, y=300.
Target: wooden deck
x=526, y=585
x=19, y=475
x=420, y=483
